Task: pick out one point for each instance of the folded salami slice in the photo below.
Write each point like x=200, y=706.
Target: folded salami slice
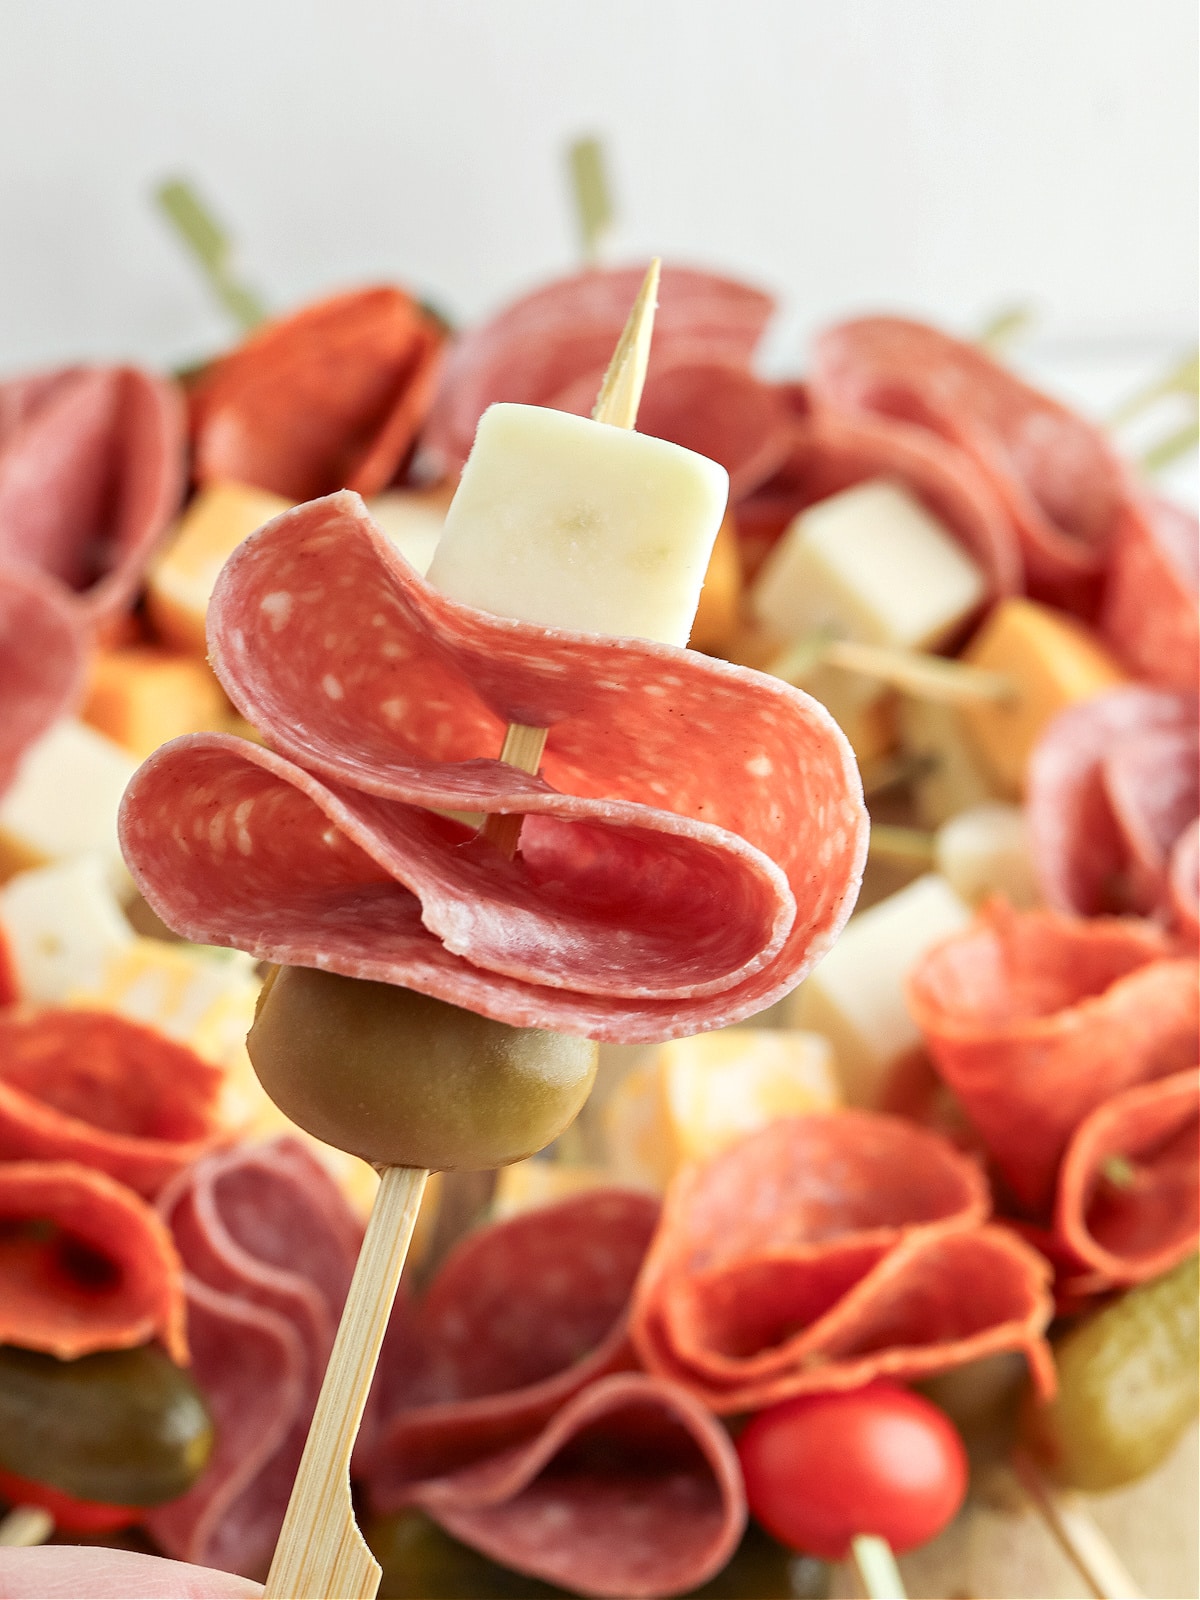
x=693, y=844
x=1039, y=1021
x=1055, y=474
x=84, y=1264
x=522, y=1316
x=632, y=1489
x=1113, y=784
x=824, y=1251
x=91, y=471
x=551, y=348
x=831, y=451
x=269, y=1245
x=42, y=661
x=91, y=1087
x=1150, y=611
x=1184, y=881
x=1128, y=1204
x=330, y=397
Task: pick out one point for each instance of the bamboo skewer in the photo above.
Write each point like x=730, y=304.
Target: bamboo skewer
x=928, y=676
x=876, y=1569
x=212, y=250
x=1065, y=1514
x=321, y=1555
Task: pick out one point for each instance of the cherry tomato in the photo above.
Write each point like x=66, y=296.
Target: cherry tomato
x=821, y=1468
x=71, y=1515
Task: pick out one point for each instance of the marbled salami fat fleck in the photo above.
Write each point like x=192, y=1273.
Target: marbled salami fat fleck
x=693, y=842
x=825, y=1251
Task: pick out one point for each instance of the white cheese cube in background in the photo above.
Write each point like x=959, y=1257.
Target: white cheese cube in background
x=984, y=851
x=64, y=926
x=856, y=996
x=63, y=803
x=575, y=524
x=413, y=520
x=951, y=776
x=870, y=564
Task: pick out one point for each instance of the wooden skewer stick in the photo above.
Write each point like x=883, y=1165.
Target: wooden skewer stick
x=617, y=404
x=1065, y=1514
x=876, y=1569
x=593, y=199
x=927, y=676
x=212, y=250
x=25, y=1526
x=321, y=1555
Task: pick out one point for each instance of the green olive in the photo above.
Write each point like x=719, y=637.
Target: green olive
x=1127, y=1386
x=126, y=1427
x=405, y=1080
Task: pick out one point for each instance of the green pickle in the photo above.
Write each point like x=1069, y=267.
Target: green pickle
x=125, y=1427
x=1127, y=1386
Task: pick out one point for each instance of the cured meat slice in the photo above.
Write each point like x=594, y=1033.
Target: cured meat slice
x=1039, y=1023
x=1113, y=783
x=84, y=1264
x=330, y=397
x=632, y=1489
x=1149, y=614
x=824, y=1251
x=1128, y=1204
x=1184, y=882
x=1055, y=474
x=832, y=451
x=91, y=1087
x=42, y=662
x=91, y=471
x=269, y=1245
x=553, y=345
x=658, y=891
x=522, y=1316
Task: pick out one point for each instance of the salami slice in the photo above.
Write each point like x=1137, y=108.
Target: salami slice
x=1149, y=615
x=832, y=451
x=330, y=397
x=1184, y=881
x=1113, y=783
x=1055, y=474
x=1038, y=1022
x=657, y=891
x=91, y=1087
x=84, y=1264
x=42, y=662
x=824, y=1251
x=522, y=1316
x=269, y=1246
x=91, y=471
x=632, y=1489
x=551, y=348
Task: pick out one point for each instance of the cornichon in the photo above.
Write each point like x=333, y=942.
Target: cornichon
x=125, y=1427
x=1127, y=1386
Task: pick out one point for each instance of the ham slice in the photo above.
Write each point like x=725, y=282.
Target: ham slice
x=693, y=843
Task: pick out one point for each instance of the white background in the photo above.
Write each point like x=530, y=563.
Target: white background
x=942, y=156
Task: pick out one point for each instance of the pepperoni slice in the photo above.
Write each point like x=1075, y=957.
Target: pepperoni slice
x=824, y=1251
x=1150, y=614
x=658, y=889
x=84, y=1264
x=91, y=1087
x=330, y=397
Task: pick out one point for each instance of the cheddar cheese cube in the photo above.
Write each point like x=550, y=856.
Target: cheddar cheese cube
x=856, y=996
x=181, y=581
x=526, y=1185
x=1053, y=662
x=63, y=803
x=949, y=773
x=718, y=614
x=143, y=696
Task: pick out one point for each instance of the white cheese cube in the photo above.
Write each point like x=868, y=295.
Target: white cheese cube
x=869, y=564
x=985, y=850
x=64, y=803
x=856, y=996
x=64, y=925
x=577, y=524
x=413, y=520
x=950, y=775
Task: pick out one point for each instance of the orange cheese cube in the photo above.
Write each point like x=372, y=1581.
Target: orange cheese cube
x=717, y=615
x=1053, y=662
x=181, y=580
x=143, y=696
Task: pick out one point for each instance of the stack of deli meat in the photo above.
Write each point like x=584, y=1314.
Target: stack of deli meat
x=966, y=1135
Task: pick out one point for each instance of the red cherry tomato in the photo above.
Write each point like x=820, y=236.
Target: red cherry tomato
x=821, y=1468
x=71, y=1515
